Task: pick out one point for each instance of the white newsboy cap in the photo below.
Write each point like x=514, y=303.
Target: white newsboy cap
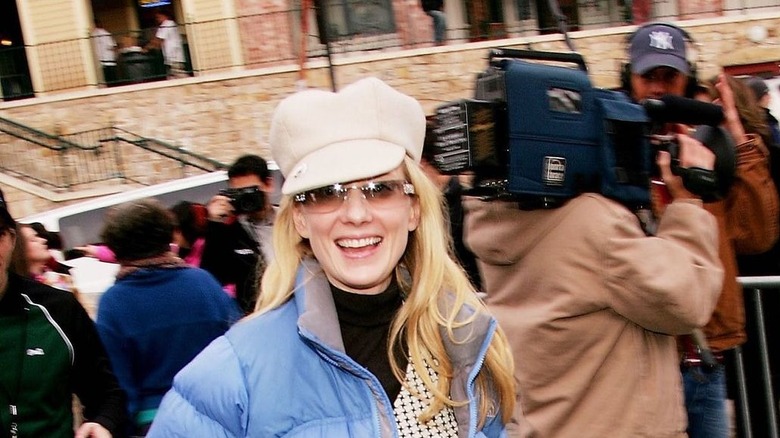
x=319, y=138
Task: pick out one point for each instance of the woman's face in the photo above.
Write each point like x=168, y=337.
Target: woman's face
x=35, y=247
x=359, y=240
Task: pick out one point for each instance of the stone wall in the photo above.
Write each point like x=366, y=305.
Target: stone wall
x=224, y=116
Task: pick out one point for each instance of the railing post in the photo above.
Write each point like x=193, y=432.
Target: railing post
x=742, y=398
x=63, y=152
x=118, y=158
x=766, y=373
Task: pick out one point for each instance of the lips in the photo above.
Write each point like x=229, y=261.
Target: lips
x=359, y=243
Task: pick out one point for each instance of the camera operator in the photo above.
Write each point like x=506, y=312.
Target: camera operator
x=238, y=236
x=747, y=219
x=591, y=305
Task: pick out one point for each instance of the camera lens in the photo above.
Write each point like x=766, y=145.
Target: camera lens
x=248, y=201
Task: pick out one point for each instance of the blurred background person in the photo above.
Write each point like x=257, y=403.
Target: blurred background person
x=435, y=9
x=749, y=217
x=34, y=260
x=105, y=51
x=764, y=98
x=755, y=120
x=238, y=244
x=50, y=350
x=168, y=40
x=53, y=242
x=160, y=312
x=189, y=233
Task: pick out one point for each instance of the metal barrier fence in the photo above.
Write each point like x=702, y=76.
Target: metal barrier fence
x=93, y=158
x=754, y=288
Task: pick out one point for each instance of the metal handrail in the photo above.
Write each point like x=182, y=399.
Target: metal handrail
x=83, y=159
x=33, y=135
x=169, y=150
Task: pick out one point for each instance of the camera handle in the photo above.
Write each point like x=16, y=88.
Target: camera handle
x=710, y=185
x=701, y=182
x=566, y=57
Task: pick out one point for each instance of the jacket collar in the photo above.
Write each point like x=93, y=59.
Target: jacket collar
x=316, y=309
x=317, y=316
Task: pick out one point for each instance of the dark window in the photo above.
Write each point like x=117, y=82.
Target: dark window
x=359, y=17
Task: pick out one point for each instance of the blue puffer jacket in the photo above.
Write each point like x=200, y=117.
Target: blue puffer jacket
x=285, y=373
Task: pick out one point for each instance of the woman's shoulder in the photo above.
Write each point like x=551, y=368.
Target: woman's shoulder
x=253, y=346
x=275, y=327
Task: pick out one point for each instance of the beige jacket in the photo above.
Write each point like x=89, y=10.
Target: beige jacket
x=590, y=306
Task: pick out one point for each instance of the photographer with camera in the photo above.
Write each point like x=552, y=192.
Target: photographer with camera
x=747, y=219
x=238, y=236
x=591, y=304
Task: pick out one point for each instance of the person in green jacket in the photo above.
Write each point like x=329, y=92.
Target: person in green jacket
x=50, y=350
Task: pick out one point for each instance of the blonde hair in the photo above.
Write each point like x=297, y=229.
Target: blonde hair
x=436, y=279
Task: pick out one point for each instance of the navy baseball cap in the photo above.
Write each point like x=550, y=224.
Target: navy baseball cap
x=658, y=45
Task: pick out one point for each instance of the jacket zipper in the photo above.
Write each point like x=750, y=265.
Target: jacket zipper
x=346, y=363
x=473, y=405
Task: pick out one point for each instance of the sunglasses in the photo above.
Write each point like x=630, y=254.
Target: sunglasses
x=378, y=194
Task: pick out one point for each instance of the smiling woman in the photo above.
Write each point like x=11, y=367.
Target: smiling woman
x=362, y=301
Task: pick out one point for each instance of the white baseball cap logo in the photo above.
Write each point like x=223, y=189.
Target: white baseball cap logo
x=661, y=40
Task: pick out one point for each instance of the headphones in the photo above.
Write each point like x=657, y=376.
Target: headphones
x=693, y=81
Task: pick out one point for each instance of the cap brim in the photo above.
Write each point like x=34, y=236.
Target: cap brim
x=655, y=60
x=343, y=162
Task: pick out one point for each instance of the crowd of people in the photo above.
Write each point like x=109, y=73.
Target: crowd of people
x=124, y=60
x=379, y=298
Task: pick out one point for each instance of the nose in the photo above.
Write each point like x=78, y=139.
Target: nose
x=356, y=208
x=658, y=88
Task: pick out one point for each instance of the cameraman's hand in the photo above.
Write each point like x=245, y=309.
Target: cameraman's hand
x=219, y=208
x=692, y=153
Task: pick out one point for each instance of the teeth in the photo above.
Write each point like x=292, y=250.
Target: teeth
x=358, y=243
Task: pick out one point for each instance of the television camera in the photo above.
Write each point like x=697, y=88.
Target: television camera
x=541, y=133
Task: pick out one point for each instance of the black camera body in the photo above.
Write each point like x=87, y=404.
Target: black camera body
x=246, y=199
x=539, y=131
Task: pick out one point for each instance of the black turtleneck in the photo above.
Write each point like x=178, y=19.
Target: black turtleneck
x=365, y=325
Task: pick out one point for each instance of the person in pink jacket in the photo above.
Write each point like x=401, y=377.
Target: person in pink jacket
x=591, y=305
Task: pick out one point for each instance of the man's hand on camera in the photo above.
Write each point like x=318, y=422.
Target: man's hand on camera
x=219, y=208
x=692, y=153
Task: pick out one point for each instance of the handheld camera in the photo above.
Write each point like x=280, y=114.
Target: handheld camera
x=246, y=199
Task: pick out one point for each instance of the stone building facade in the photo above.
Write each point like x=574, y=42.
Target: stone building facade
x=225, y=115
